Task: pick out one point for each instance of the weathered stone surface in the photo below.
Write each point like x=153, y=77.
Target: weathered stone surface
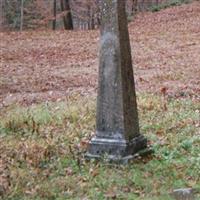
x=117, y=123
x=184, y=194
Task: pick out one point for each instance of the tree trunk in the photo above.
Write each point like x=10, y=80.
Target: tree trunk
x=54, y=15
x=92, y=22
x=68, y=17
x=89, y=17
x=134, y=7
x=2, y=14
x=64, y=16
x=22, y=15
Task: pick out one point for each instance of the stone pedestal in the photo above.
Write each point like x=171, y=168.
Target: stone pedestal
x=117, y=135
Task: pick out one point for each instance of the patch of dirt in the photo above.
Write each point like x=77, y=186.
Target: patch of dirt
x=40, y=66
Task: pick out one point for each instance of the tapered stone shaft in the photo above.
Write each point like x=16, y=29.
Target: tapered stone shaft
x=117, y=125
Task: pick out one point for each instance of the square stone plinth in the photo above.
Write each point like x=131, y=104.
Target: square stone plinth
x=116, y=150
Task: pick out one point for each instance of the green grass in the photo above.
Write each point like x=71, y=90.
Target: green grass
x=167, y=4
x=43, y=147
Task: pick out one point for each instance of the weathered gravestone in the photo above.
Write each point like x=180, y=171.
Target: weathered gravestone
x=184, y=194
x=117, y=134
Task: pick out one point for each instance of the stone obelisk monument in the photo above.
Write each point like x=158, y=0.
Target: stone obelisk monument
x=117, y=135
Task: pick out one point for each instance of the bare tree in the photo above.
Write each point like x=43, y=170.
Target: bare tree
x=67, y=16
x=2, y=14
x=22, y=15
x=64, y=15
x=54, y=15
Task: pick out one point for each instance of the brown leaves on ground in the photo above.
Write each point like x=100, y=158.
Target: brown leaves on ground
x=4, y=176
x=44, y=65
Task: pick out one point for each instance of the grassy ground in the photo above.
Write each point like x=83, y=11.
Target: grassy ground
x=42, y=149
x=167, y=4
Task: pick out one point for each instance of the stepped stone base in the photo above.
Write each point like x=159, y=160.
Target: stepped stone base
x=116, y=150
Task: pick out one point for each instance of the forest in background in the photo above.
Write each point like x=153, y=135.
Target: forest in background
x=70, y=14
